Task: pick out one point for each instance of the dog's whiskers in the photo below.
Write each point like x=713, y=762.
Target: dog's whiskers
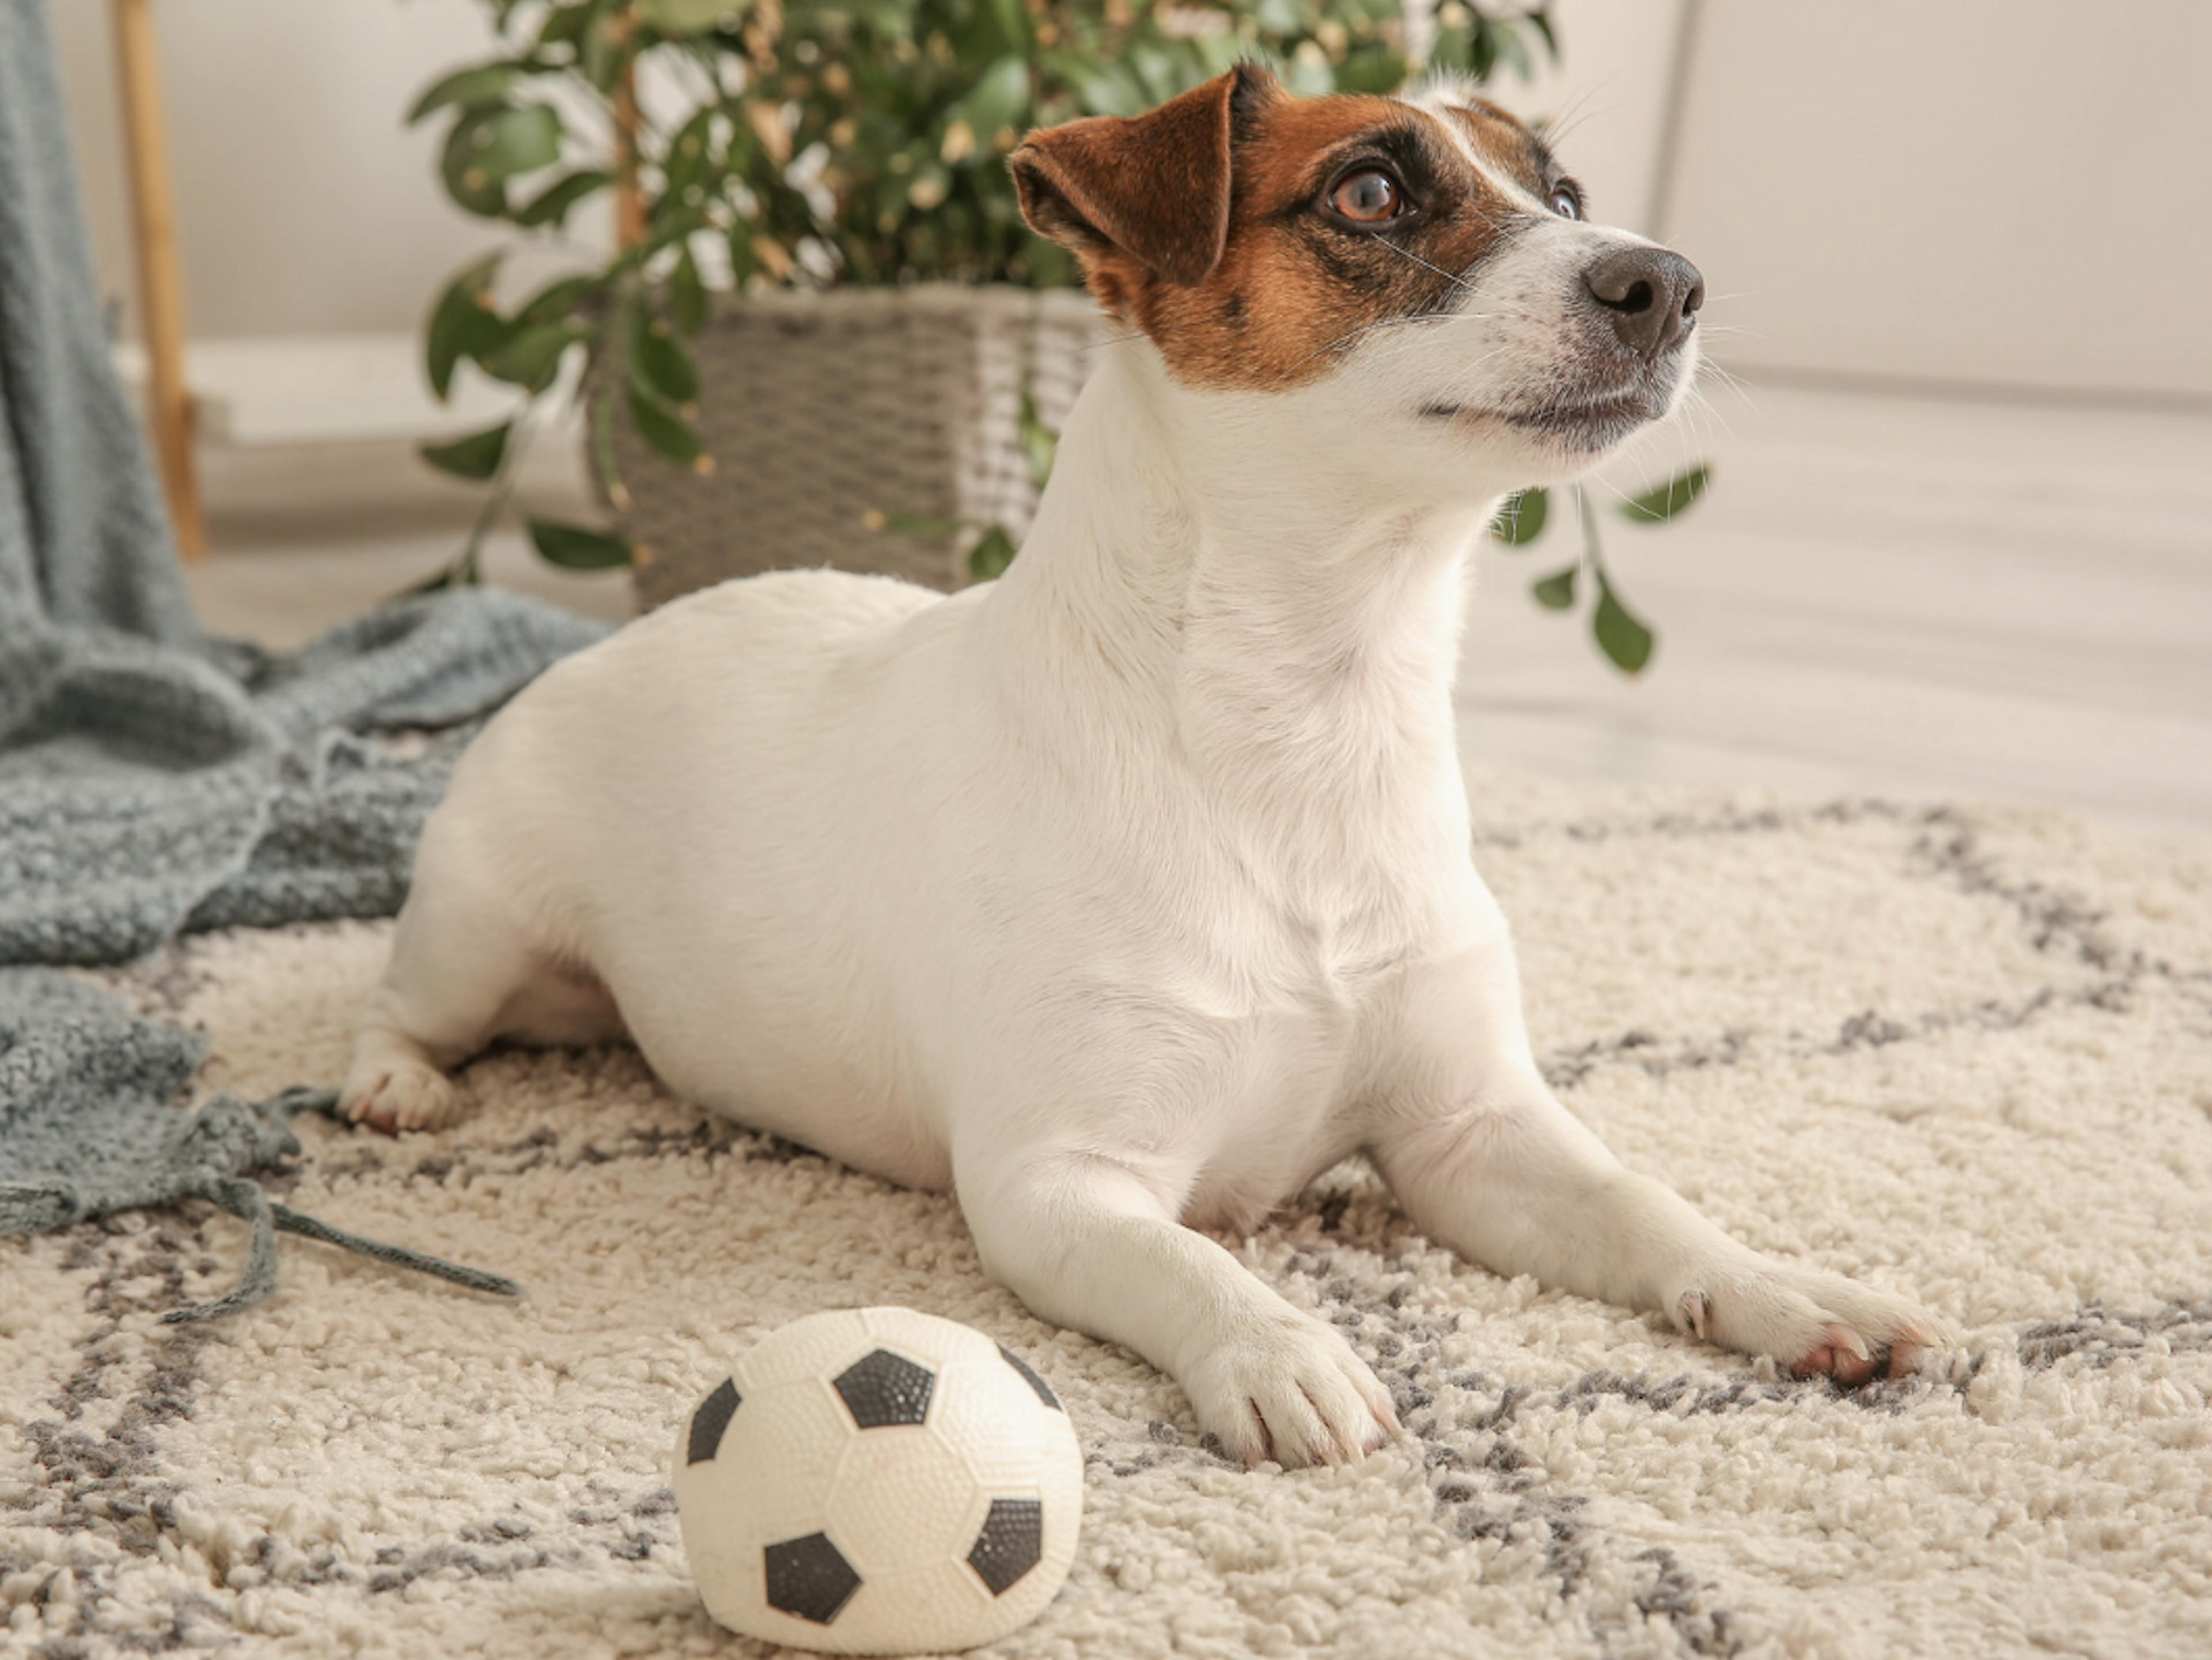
x=1364, y=329
x=1408, y=253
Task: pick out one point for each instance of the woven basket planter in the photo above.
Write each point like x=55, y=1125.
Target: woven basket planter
x=820, y=409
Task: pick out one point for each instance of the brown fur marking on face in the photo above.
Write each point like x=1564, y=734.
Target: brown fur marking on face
x=1262, y=306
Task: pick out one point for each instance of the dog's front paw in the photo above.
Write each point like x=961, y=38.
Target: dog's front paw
x=1292, y=1391
x=393, y=1093
x=1815, y=1324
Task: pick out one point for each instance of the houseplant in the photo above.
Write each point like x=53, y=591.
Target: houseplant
x=815, y=146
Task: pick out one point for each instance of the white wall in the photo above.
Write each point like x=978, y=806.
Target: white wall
x=303, y=205
x=2007, y=192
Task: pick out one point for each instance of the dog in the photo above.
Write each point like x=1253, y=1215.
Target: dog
x=1126, y=894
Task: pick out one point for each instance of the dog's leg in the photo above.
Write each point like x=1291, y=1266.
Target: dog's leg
x=463, y=964
x=1487, y=1161
x=1086, y=1242
x=440, y=993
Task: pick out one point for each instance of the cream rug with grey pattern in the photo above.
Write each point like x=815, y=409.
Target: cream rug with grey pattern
x=1964, y=1052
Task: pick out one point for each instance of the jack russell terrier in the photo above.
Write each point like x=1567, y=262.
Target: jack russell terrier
x=1124, y=895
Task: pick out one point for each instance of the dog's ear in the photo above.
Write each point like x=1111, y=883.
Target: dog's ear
x=1154, y=188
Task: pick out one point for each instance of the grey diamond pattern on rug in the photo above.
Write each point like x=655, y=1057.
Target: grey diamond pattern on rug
x=1966, y=1052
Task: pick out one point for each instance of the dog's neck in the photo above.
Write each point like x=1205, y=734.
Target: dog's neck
x=1205, y=564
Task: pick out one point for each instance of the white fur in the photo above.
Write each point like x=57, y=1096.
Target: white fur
x=1124, y=894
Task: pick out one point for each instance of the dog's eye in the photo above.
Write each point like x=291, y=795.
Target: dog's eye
x=1368, y=198
x=1566, y=200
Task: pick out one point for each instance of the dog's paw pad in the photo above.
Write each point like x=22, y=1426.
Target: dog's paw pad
x=1841, y=1354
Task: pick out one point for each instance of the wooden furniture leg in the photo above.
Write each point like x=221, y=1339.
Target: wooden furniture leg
x=160, y=293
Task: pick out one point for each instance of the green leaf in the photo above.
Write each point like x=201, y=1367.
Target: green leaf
x=564, y=24
x=1099, y=89
x=577, y=547
x=1375, y=67
x=988, y=559
x=999, y=97
x=487, y=146
x=1557, y=591
x=1656, y=507
x=1521, y=520
x=556, y=301
x=531, y=359
x=659, y=360
x=1540, y=20
x=1014, y=24
x=601, y=55
x=689, y=159
x=1513, y=51
x=679, y=17
x=1218, y=53
x=603, y=452
x=550, y=205
x=1308, y=78
x=662, y=427
x=461, y=324
x=1155, y=68
x=687, y=295
x=469, y=88
x=743, y=262
x=476, y=456
x=1620, y=636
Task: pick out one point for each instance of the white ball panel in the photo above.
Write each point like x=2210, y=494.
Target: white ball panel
x=926, y=1611
x=991, y=1419
x=779, y=1459
x=900, y=1499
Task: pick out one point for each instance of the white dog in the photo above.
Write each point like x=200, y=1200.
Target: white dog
x=1126, y=894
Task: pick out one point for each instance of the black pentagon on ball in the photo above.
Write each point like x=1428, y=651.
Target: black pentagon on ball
x=881, y=1389
x=810, y=1577
x=1029, y=1377
x=710, y=1421
x=1010, y=1544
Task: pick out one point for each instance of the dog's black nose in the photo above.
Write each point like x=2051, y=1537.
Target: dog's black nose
x=1652, y=295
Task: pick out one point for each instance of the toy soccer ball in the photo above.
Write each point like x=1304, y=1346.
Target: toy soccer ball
x=878, y=1481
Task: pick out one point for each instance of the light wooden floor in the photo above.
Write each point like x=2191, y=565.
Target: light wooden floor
x=1913, y=597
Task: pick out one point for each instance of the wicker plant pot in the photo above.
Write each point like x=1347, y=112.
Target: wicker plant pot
x=820, y=409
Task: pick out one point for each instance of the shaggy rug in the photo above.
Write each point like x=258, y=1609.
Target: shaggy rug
x=1966, y=1053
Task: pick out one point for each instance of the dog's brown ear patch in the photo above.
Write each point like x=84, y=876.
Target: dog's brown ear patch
x=1154, y=188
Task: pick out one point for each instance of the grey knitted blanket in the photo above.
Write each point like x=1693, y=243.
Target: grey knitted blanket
x=153, y=780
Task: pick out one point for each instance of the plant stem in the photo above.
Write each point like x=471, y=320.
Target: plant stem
x=1593, y=555
x=469, y=567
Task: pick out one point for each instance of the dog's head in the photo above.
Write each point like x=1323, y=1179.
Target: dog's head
x=1414, y=274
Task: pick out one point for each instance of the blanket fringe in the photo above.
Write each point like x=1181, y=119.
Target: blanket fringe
x=246, y=1201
